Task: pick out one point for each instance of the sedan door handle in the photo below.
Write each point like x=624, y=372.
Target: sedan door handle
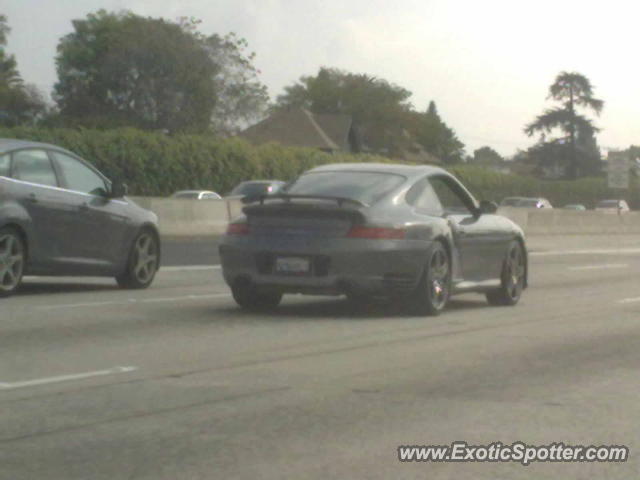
x=84, y=207
x=462, y=231
x=32, y=198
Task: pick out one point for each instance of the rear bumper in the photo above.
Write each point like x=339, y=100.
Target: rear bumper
x=339, y=265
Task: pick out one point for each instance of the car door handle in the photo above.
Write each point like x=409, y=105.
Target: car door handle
x=462, y=232
x=84, y=207
x=32, y=198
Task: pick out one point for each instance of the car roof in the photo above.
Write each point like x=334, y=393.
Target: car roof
x=194, y=191
x=409, y=171
x=7, y=144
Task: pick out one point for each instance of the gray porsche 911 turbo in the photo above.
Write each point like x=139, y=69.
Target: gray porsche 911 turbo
x=409, y=233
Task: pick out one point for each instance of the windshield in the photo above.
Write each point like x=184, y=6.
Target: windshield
x=365, y=187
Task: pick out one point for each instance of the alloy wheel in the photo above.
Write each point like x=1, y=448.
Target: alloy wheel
x=515, y=272
x=146, y=258
x=439, y=278
x=11, y=262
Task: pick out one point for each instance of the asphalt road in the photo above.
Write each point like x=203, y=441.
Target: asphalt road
x=177, y=383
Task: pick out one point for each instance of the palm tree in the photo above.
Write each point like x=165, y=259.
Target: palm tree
x=572, y=90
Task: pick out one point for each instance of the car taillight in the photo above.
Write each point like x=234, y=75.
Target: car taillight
x=238, y=229
x=376, y=232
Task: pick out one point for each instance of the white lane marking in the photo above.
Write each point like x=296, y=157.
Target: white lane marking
x=69, y=305
x=188, y=297
x=629, y=300
x=603, y=266
x=189, y=268
x=65, y=378
x=134, y=300
x=603, y=251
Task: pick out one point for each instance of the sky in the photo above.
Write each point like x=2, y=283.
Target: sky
x=487, y=64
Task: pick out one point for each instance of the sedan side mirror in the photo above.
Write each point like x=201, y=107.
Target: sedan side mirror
x=118, y=190
x=487, y=207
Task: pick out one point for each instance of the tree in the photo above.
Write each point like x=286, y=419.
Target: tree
x=573, y=91
x=19, y=103
x=377, y=107
x=487, y=156
x=241, y=97
x=123, y=69
x=435, y=136
x=120, y=69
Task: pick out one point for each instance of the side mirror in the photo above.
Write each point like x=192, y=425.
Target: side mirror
x=487, y=207
x=118, y=190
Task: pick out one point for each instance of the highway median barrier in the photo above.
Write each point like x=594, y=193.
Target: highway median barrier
x=182, y=218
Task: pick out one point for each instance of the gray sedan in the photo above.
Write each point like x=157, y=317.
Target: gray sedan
x=61, y=216
x=412, y=233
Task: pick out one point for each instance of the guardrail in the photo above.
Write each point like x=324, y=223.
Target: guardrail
x=192, y=218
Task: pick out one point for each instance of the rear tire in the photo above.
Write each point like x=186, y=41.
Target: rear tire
x=12, y=261
x=432, y=293
x=249, y=297
x=143, y=262
x=358, y=300
x=512, y=278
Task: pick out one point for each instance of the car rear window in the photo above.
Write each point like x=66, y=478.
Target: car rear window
x=510, y=202
x=186, y=195
x=366, y=187
x=251, y=189
x=532, y=203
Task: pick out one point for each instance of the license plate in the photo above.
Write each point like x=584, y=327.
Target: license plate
x=292, y=265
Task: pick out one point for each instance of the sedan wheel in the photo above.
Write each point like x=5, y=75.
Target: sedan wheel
x=12, y=259
x=434, y=289
x=513, y=276
x=143, y=262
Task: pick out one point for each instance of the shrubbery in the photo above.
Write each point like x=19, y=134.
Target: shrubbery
x=157, y=164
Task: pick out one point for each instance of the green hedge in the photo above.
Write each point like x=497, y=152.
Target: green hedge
x=156, y=164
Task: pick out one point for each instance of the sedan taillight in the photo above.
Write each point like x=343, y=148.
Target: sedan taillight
x=238, y=229
x=377, y=233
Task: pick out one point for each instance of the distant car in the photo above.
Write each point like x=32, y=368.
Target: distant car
x=613, y=206
x=255, y=188
x=61, y=216
x=575, y=206
x=526, y=202
x=410, y=233
x=196, y=195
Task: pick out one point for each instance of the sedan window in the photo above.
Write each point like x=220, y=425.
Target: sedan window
x=5, y=165
x=34, y=166
x=451, y=200
x=78, y=176
x=422, y=196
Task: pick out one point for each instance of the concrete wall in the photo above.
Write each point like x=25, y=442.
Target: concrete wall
x=570, y=222
x=191, y=218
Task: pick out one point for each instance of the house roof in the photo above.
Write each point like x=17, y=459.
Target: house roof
x=301, y=128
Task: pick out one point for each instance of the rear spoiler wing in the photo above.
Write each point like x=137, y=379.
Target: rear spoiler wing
x=288, y=198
